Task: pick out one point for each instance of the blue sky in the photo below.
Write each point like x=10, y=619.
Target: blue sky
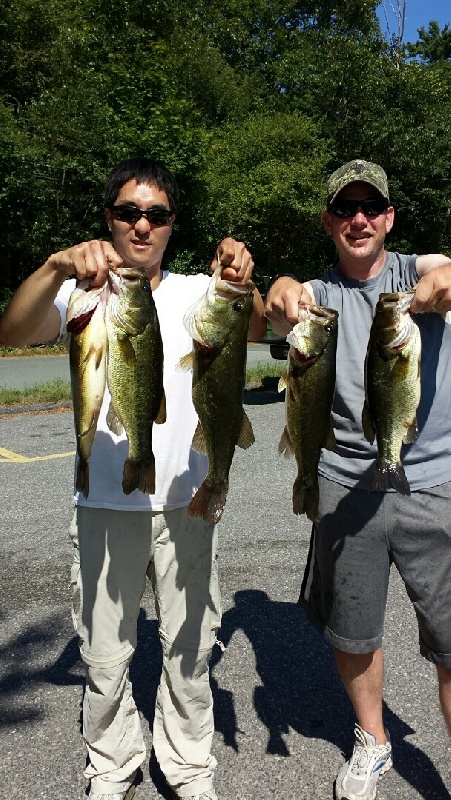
x=418, y=14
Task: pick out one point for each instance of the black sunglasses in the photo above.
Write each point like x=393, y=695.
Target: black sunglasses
x=371, y=207
x=131, y=214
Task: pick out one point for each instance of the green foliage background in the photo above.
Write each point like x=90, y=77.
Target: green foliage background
x=250, y=103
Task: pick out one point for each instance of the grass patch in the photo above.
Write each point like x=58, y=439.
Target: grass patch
x=59, y=390
x=256, y=373
x=54, y=392
x=33, y=350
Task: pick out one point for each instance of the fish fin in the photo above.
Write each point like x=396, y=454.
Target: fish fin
x=125, y=347
x=161, y=416
x=330, y=443
x=367, y=424
x=199, y=444
x=285, y=445
x=305, y=499
x=185, y=363
x=82, y=480
x=283, y=382
x=122, y=326
x=138, y=475
x=411, y=434
x=99, y=355
x=77, y=324
x=246, y=437
x=82, y=304
x=391, y=476
x=114, y=423
x=96, y=353
x=208, y=502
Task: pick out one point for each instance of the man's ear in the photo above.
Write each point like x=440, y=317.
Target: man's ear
x=109, y=218
x=327, y=222
x=389, y=218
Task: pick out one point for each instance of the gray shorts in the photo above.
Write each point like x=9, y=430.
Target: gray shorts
x=357, y=536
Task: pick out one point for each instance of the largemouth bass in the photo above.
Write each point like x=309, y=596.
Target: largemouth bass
x=135, y=375
x=87, y=358
x=392, y=384
x=310, y=386
x=218, y=324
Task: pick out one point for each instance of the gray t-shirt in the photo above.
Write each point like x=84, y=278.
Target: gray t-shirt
x=427, y=462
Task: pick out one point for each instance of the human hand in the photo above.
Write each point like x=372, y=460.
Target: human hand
x=283, y=301
x=433, y=291
x=236, y=261
x=87, y=260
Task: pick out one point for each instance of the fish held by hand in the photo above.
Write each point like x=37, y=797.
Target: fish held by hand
x=87, y=358
x=392, y=388
x=218, y=323
x=310, y=385
x=135, y=375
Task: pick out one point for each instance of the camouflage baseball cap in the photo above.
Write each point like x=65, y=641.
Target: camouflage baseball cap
x=357, y=170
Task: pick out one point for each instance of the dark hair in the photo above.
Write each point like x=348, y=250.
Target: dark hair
x=142, y=170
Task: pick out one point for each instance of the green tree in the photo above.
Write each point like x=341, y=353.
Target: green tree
x=250, y=102
x=264, y=184
x=433, y=45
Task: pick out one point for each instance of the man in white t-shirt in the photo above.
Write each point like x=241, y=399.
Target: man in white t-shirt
x=120, y=539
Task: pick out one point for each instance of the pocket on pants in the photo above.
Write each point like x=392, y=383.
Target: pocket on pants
x=75, y=582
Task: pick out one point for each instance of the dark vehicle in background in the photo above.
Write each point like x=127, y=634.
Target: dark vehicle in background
x=278, y=345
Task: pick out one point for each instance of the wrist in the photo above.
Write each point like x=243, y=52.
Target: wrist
x=281, y=275
x=56, y=265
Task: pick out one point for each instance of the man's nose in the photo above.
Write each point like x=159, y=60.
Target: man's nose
x=359, y=217
x=142, y=225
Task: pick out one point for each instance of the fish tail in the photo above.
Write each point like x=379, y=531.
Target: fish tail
x=138, y=475
x=208, y=502
x=298, y=496
x=311, y=502
x=82, y=479
x=305, y=499
x=391, y=476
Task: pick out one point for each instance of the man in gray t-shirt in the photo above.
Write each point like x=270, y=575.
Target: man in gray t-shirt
x=358, y=531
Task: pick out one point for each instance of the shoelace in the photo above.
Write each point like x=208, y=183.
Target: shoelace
x=362, y=755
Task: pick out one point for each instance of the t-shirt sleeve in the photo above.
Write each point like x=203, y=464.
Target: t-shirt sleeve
x=411, y=273
x=320, y=292
x=61, y=302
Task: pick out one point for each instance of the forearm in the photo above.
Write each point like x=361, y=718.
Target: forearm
x=257, y=324
x=433, y=290
x=31, y=316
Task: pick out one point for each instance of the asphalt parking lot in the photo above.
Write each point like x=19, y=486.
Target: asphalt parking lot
x=283, y=721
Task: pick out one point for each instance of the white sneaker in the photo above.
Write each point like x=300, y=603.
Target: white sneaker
x=358, y=778
x=116, y=796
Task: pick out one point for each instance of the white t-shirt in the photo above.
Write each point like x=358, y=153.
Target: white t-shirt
x=179, y=469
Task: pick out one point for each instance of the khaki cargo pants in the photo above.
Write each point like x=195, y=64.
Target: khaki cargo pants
x=114, y=551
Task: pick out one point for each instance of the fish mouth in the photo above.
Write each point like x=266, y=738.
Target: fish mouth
x=301, y=347
x=134, y=273
x=403, y=300
x=393, y=312
x=320, y=314
x=130, y=277
x=391, y=306
x=228, y=290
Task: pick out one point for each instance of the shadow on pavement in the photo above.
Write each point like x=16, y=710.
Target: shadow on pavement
x=299, y=689
x=267, y=392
